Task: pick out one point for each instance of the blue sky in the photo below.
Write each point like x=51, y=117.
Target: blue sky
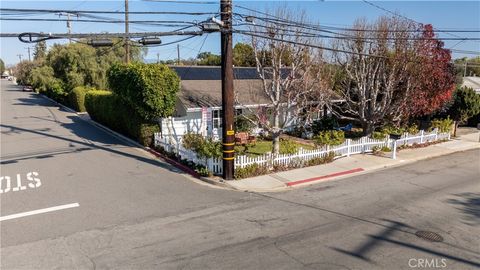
x=442, y=14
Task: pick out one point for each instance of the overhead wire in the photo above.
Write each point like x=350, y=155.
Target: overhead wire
x=71, y=11
x=407, y=18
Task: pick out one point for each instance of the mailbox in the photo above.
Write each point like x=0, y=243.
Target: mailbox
x=395, y=136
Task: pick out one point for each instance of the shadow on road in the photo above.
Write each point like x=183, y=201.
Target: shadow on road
x=389, y=227
x=91, y=136
x=82, y=129
x=469, y=204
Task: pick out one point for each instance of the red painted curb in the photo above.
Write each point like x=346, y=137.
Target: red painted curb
x=323, y=177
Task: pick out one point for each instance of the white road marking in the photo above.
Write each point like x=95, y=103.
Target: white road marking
x=39, y=211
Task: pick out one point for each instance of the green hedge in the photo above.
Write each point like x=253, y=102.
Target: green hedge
x=107, y=108
x=150, y=89
x=76, y=98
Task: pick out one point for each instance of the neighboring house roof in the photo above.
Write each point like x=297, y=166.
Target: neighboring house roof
x=472, y=82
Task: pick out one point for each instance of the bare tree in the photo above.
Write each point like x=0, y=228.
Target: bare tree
x=377, y=76
x=290, y=73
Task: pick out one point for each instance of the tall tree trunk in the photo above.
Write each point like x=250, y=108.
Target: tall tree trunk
x=368, y=128
x=276, y=133
x=276, y=143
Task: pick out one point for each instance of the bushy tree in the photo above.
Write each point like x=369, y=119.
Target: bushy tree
x=431, y=74
x=397, y=70
x=466, y=103
x=208, y=59
x=23, y=72
x=243, y=55
x=40, y=51
x=41, y=78
x=2, y=66
x=148, y=88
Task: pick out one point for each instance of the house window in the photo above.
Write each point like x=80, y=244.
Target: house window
x=216, y=119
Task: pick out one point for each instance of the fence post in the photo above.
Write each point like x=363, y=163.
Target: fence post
x=348, y=147
x=436, y=134
x=394, y=149
x=421, y=136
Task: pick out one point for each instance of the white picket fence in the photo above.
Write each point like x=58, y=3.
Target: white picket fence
x=213, y=164
x=349, y=147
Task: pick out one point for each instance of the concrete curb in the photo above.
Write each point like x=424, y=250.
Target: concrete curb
x=325, y=178
x=135, y=144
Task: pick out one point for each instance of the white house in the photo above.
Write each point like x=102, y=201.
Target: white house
x=199, y=101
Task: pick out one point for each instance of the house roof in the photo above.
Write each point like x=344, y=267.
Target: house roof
x=201, y=86
x=213, y=73
x=472, y=82
x=208, y=93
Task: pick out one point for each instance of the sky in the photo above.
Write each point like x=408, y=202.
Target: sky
x=441, y=14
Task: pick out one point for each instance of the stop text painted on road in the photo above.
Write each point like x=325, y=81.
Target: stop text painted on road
x=32, y=182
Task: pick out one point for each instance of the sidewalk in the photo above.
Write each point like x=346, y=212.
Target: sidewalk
x=351, y=166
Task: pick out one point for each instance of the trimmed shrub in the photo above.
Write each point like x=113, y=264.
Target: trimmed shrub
x=149, y=89
x=250, y=171
x=54, y=90
x=76, y=98
x=378, y=135
x=413, y=129
x=107, y=108
x=288, y=147
x=204, y=147
x=330, y=137
x=321, y=160
x=443, y=125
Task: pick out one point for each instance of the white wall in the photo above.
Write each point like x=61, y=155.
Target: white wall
x=176, y=127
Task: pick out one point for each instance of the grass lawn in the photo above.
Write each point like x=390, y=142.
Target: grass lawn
x=262, y=147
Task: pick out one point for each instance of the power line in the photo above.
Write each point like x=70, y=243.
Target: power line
x=321, y=27
x=104, y=35
x=183, y=2
x=97, y=21
x=312, y=35
x=307, y=45
x=33, y=11
x=402, y=16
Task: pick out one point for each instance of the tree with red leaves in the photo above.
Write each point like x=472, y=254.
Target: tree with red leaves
x=433, y=75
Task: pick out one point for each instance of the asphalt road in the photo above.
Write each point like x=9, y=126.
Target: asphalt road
x=122, y=209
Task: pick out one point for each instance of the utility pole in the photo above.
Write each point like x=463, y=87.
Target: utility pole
x=178, y=54
x=158, y=57
x=465, y=68
x=19, y=57
x=228, y=134
x=127, y=45
x=69, y=24
x=29, y=57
